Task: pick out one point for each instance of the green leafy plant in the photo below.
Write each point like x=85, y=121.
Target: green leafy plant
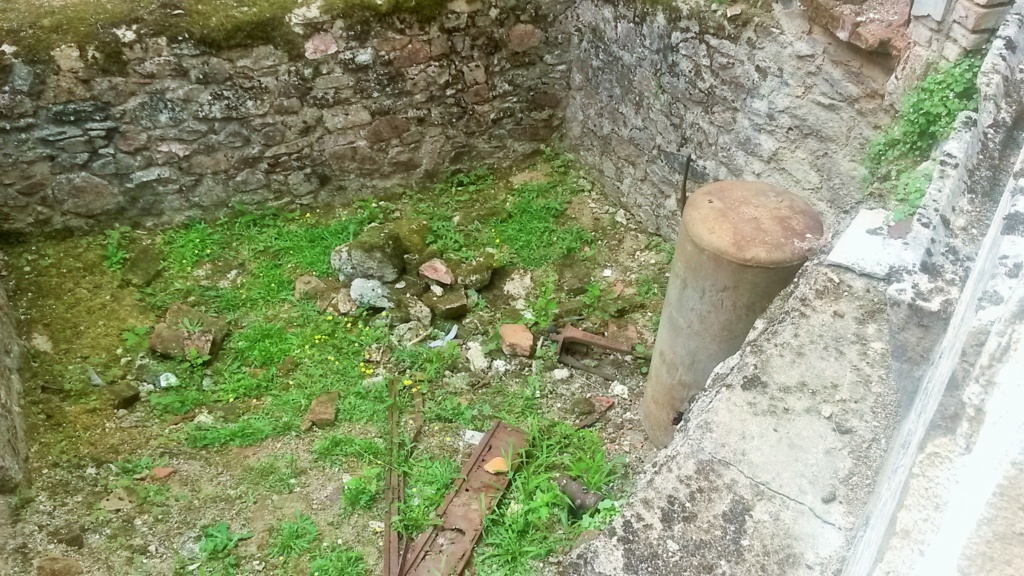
x=926, y=117
x=362, y=491
x=544, y=306
x=337, y=560
x=292, y=538
x=114, y=254
x=218, y=540
x=135, y=337
x=275, y=473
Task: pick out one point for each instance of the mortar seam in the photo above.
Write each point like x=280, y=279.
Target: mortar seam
x=772, y=490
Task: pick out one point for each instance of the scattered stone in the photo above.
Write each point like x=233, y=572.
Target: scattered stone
x=412, y=286
x=167, y=380
x=581, y=406
x=623, y=331
x=418, y=311
x=186, y=332
x=829, y=497
x=162, y=472
x=561, y=373
x=309, y=287
x=344, y=303
x=478, y=361
x=436, y=290
x=450, y=305
x=476, y=274
x=369, y=294
x=386, y=128
x=413, y=234
x=58, y=566
x=516, y=340
x=142, y=267
x=408, y=332
x=71, y=535
x=117, y=500
x=376, y=254
x=464, y=6
x=321, y=45
x=518, y=287
x=41, y=343
x=497, y=466
x=523, y=37
x=323, y=410
x=620, y=390
x=123, y=395
x=437, y=271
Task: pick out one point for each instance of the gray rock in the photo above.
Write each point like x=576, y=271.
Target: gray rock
x=376, y=254
x=85, y=194
x=369, y=293
x=406, y=333
x=450, y=305
x=123, y=395
x=143, y=266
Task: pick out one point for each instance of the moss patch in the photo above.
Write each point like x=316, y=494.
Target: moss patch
x=36, y=28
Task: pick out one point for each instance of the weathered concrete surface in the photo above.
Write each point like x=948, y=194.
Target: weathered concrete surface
x=790, y=105
x=12, y=434
x=774, y=464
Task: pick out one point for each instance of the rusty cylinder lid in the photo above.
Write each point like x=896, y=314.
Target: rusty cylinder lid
x=752, y=223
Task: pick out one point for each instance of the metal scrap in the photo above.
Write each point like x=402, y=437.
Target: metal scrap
x=570, y=334
x=582, y=499
x=446, y=548
x=602, y=404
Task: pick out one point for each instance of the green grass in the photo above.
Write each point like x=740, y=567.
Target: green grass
x=216, y=550
x=293, y=538
x=926, y=117
x=508, y=224
x=246, y=396
x=277, y=473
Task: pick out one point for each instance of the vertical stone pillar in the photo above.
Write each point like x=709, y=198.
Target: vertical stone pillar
x=739, y=245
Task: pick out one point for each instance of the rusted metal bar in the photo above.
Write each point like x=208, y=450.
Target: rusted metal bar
x=602, y=404
x=570, y=334
x=392, y=551
x=446, y=548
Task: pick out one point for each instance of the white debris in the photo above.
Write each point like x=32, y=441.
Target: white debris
x=168, y=380
x=561, y=373
x=472, y=437
x=478, y=361
x=620, y=390
x=446, y=339
x=607, y=273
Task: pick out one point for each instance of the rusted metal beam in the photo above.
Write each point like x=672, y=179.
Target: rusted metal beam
x=446, y=548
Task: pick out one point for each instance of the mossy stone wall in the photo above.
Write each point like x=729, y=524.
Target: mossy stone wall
x=360, y=107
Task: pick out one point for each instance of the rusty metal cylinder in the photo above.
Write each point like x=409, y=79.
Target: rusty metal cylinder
x=739, y=245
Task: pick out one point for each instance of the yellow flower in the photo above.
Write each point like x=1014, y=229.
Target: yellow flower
x=407, y=382
x=330, y=317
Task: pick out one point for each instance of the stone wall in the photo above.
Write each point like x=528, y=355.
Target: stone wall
x=788, y=103
x=12, y=434
x=184, y=132
x=944, y=30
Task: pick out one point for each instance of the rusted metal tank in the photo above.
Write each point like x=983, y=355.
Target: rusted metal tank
x=739, y=245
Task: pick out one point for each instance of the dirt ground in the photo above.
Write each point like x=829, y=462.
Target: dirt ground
x=98, y=493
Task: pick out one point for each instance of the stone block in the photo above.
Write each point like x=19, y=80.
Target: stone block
x=970, y=40
x=975, y=17
x=323, y=410
x=516, y=340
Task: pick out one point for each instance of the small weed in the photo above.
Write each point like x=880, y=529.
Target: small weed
x=137, y=467
x=114, y=254
x=274, y=473
x=293, y=538
x=544, y=306
x=337, y=560
x=219, y=540
x=362, y=491
x=597, y=301
x=337, y=449
x=647, y=288
x=135, y=338
x=428, y=482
